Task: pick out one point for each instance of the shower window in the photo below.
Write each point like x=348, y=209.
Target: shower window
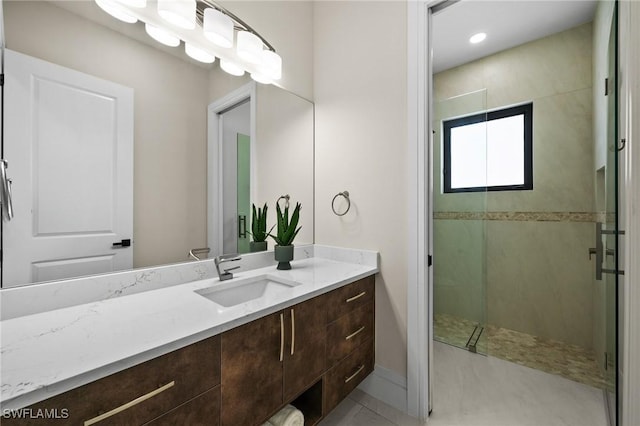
x=491, y=151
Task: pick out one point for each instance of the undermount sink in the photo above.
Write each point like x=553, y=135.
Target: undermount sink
x=236, y=292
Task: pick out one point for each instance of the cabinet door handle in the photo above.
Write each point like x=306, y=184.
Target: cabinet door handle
x=351, y=299
x=352, y=335
x=129, y=404
x=281, y=337
x=351, y=377
x=293, y=332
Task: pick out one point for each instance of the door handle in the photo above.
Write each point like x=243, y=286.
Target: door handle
x=122, y=243
x=242, y=226
x=598, y=251
x=5, y=191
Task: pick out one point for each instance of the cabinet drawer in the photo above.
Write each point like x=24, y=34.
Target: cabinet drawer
x=347, y=374
x=201, y=410
x=350, y=297
x=348, y=332
x=138, y=394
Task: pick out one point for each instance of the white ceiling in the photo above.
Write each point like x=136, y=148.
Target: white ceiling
x=508, y=23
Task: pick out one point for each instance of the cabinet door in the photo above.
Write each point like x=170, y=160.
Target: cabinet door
x=252, y=371
x=138, y=394
x=347, y=374
x=201, y=410
x=348, y=332
x=305, y=328
x=350, y=297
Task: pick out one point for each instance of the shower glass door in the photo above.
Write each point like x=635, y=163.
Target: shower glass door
x=459, y=150
x=611, y=231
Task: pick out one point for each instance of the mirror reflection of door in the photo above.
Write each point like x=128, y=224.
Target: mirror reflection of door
x=68, y=140
x=236, y=177
x=243, y=175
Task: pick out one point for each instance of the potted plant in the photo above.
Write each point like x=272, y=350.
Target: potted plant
x=286, y=232
x=259, y=229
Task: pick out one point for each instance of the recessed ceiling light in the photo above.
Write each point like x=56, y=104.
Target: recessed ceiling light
x=477, y=38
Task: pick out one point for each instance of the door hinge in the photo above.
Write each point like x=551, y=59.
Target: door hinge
x=1, y=79
x=429, y=260
x=606, y=87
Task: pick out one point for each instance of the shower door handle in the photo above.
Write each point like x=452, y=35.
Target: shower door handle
x=6, y=203
x=242, y=226
x=598, y=251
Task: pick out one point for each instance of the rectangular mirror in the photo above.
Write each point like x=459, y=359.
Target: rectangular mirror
x=122, y=164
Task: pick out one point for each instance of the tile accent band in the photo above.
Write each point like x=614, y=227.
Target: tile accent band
x=528, y=216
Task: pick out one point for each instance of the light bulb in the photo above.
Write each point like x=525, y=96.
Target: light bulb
x=231, y=67
x=134, y=3
x=271, y=64
x=199, y=54
x=218, y=28
x=249, y=47
x=112, y=9
x=477, y=38
x=161, y=36
x=181, y=13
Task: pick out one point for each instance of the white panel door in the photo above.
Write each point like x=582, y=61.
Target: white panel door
x=68, y=141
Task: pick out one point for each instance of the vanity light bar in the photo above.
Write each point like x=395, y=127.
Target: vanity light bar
x=252, y=53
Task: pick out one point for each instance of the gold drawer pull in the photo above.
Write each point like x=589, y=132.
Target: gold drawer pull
x=351, y=299
x=129, y=404
x=293, y=332
x=281, y=337
x=348, y=379
x=352, y=335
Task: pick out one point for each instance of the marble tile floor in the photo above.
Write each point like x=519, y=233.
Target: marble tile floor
x=552, y=356
x=472, y=390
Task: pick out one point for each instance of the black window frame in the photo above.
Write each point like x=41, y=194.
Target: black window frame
x=527, y=111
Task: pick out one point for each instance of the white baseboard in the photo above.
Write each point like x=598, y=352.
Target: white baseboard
x=386, y=386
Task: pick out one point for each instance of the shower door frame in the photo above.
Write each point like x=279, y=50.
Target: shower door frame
x=420, y=244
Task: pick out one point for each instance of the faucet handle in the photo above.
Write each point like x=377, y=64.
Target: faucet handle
x=227, y=258
x=226, y=274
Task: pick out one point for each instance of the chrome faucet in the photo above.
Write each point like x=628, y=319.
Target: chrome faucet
x=226, y=275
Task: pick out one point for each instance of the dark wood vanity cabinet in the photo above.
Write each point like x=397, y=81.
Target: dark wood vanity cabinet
x=201, y=410
x=270, y=361
x=304, y=360
x=350, y=339
x=139, y=394
x=311, y=354
x=252, y=370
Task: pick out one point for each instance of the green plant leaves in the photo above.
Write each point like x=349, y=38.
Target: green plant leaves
x=259, y=224
x=286, y=231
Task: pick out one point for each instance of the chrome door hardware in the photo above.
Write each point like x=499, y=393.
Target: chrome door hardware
x=242, y=226
x=600, y=251
x=597, y=250
x=193, y=253
x=5, y=191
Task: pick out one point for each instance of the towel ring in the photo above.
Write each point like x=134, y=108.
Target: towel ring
x=344, y=194
x=286, y=200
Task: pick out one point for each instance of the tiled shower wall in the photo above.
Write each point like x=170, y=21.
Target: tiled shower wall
x=519, y=259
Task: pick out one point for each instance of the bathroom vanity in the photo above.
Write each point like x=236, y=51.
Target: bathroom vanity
x=238, y=361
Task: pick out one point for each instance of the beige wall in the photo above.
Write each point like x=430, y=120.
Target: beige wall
x=360, y=85
x=537, y=277
x=284, y=149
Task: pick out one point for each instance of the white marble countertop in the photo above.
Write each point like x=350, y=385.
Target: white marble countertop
x=48, y=353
